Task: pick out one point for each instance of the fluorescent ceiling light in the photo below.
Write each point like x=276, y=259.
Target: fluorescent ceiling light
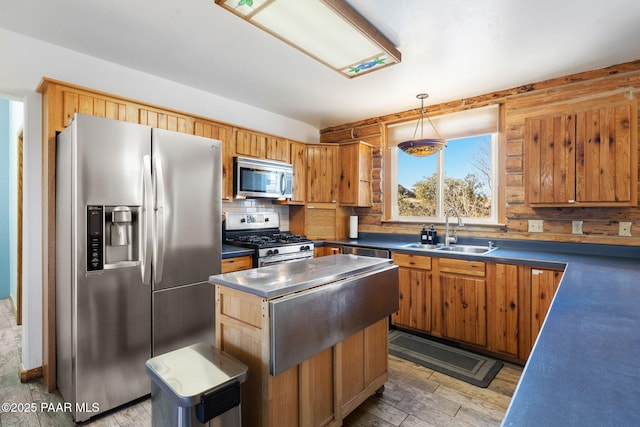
x=329, y=31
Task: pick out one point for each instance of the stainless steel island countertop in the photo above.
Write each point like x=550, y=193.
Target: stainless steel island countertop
x=283, y=279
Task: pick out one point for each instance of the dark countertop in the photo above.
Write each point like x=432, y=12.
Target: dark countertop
x=230, y=251
x=584, y=369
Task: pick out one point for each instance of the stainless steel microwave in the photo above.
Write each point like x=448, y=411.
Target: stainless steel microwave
x=262, y=178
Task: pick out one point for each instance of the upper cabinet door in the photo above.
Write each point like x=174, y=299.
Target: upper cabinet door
x=298, y=157
x=250, y=144
x=355, y=174
x=589, y=158
x=322, y=173
x=604, y=155
x=550, y=159
x=277, y=149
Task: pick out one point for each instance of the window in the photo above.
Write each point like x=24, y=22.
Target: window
x=462, y=175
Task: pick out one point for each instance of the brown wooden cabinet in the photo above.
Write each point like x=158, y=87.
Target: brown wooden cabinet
x=298, y=157
x=494, y=306
x=544, y=284
x=325, y=250
x=355, y=174
x=277, y=149
x=415, y=282
x=587, y=157
x=250, y=144
x=461, y=297
x=237, y=263
x=323, y=170
x=324, y=221
x=225, y=135
x=507, y=316
x=74, y=101
x=362, y=366
x=157, y=118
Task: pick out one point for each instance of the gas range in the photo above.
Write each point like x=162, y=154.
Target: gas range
x=261, y=231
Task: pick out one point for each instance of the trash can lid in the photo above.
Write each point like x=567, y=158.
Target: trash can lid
x=185, y=374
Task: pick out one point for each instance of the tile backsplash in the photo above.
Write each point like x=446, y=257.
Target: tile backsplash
x=259, y=205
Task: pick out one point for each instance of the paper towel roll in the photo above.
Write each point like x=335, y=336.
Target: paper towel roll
x=353, y=227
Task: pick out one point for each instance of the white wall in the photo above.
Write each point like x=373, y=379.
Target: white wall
x=16, y=120
x=24, y=62
x=32, y=235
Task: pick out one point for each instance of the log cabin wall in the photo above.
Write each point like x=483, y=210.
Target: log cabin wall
x=573, y=92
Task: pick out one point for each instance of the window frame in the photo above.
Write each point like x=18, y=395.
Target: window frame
x=440, y=176
x=389, y=174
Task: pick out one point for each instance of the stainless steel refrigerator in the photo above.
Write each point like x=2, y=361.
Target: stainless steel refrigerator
x=138, y=233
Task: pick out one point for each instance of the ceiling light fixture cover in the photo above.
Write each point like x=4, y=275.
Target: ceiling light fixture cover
x=423, y=146
x=329, y=31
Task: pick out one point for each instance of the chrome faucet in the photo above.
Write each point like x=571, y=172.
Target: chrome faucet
x=451, y=239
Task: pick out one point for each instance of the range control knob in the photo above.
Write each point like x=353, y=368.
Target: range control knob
x=305, y=248
x=275, y=251
x=269, y=252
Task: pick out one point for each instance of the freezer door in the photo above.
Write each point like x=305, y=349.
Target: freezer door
x=187, y=173
x=183, y=316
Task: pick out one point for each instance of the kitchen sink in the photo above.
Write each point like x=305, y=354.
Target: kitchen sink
x=422, y=246
x=467, y=249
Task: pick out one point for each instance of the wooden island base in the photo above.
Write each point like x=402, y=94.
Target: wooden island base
x=321, y=391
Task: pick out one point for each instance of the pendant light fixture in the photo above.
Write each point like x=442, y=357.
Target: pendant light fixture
x=423, y=146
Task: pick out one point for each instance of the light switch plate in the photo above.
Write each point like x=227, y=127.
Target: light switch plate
x=625, y=229
x=576, y=227
x=536, y=225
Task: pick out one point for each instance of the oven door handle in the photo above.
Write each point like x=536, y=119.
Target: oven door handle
x=271, y=261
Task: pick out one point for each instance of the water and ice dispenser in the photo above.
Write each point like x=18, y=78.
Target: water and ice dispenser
x=112, y=237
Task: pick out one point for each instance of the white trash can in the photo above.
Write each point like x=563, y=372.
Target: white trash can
x=198, y=385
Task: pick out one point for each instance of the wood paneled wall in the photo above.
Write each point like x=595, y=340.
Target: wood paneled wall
x=577, y=91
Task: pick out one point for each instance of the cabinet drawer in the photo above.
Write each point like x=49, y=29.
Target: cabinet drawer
x=412, y=261
x=237, y=263
x=462, y=266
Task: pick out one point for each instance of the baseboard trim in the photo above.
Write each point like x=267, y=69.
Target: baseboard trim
x=27, y=375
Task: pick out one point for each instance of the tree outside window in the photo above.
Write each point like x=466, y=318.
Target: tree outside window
x=461, y=176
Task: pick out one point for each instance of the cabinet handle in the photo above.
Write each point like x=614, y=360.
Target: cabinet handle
x=571, y=201
x=465, y=305
x=512, y=305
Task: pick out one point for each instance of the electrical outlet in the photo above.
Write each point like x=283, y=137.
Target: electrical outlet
x=536, y=225
x=576, y=227
x=625, y=229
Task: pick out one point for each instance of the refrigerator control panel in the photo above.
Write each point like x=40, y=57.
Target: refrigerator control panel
x=95, y=237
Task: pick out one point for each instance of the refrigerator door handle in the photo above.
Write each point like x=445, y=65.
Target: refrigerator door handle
x=159, y=248
x=147, y=218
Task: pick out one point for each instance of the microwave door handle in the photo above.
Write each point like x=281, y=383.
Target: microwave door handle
x=159, y=209
x=283, y=184
x=146, y=247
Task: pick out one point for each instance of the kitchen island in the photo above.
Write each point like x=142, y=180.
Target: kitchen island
x=314, y=334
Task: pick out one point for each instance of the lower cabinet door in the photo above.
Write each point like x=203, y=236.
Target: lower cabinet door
x=464, y=308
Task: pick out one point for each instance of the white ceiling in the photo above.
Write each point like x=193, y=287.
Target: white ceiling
x=450, y=48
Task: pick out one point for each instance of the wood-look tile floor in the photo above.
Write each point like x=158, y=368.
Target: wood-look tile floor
x=414, y=396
